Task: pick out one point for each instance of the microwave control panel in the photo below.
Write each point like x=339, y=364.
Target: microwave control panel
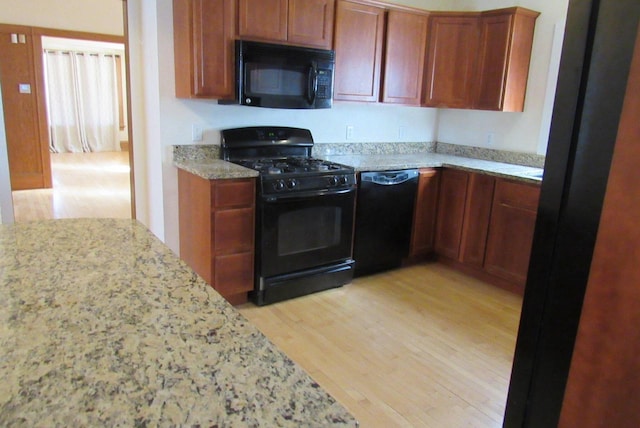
x=324, y=84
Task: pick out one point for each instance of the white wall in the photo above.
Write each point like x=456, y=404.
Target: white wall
x=522, y=132
x=6, y=203
x=94, y=16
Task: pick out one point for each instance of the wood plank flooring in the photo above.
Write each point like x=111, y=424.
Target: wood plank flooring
x=93, y=185
x=422, y=346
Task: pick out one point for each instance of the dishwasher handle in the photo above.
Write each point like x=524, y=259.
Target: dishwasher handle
x=389, y=178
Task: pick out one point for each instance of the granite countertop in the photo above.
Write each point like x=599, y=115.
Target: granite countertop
x=209, y=167
x=213, y=169
x=433, y=160
x=102, y=325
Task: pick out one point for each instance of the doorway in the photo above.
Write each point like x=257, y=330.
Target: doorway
x=88, y=149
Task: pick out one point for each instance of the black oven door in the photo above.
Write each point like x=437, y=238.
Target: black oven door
x=304, y=232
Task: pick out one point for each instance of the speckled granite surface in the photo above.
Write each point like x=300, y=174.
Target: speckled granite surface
x=215, y=169
x=528, y=159
x=204, y=160
x=434, y=160
x=196, y=152
x=101, y=325
x=332, y=149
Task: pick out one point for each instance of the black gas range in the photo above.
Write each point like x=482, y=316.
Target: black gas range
x=304, y=212
x=296, y=175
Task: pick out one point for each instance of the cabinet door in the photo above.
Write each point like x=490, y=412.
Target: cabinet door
x=233, y=276
x=424, y=217
x=404, y=59
x=513, y=219
x=451, y=206
x=204, y=31
x=451, y=60
x=476, y=221
x=503, y=59
x=233, y=231
x=358, y=45
x=310, y=23
x=24, y=113
x=263, y=19
x=492, y=61
x=194, y=219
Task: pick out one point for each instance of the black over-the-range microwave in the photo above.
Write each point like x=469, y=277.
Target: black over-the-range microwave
x=279, y=76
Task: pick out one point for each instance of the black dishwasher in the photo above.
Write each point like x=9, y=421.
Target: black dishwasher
x=384, y=215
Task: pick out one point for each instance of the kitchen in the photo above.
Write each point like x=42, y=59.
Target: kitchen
x=172, y=120
x=157, y=162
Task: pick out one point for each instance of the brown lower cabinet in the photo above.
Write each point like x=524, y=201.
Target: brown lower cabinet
x=485, y=226
x=424, y=215
x=217, y=222
x=513, y=220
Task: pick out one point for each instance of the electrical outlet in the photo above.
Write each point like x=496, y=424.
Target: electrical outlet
x=491, y=139
x=402, y=132
x=196, y=132
x=349, y=132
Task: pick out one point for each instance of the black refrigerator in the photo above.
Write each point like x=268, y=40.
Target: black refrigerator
x=597, y=50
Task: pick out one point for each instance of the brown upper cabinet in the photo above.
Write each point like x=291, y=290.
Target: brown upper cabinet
x=451, y=59
x=203, y=37
x=300, y=22
x=504, y=57
x=404, y=59
x=479, y=60
x=359, y=36
x=363, y=33
x=387, y=53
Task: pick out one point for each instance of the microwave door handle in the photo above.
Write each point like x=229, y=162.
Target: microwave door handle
x=312, y=84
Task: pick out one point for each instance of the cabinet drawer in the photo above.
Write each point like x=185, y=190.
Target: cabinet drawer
x=233, y=231
x=234, y=193
x=517, y=195
x=233, y=273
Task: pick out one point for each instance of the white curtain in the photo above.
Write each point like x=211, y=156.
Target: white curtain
x=82, y=101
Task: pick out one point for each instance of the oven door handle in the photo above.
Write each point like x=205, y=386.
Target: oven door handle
x=306, y=195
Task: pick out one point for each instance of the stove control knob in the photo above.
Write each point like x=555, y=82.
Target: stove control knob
x=278, y=185
x=291, y=183
x=344, y=180
x=333, y=181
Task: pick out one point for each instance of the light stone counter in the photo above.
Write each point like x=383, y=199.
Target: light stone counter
x=102, y=325
x=433, y=160
x=215, y=169
x=204, y=160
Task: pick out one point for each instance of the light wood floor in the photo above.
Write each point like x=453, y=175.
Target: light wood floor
x=93, y=185
x=422, y=346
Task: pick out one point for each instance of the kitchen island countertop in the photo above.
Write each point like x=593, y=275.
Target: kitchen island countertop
x=102, y=325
